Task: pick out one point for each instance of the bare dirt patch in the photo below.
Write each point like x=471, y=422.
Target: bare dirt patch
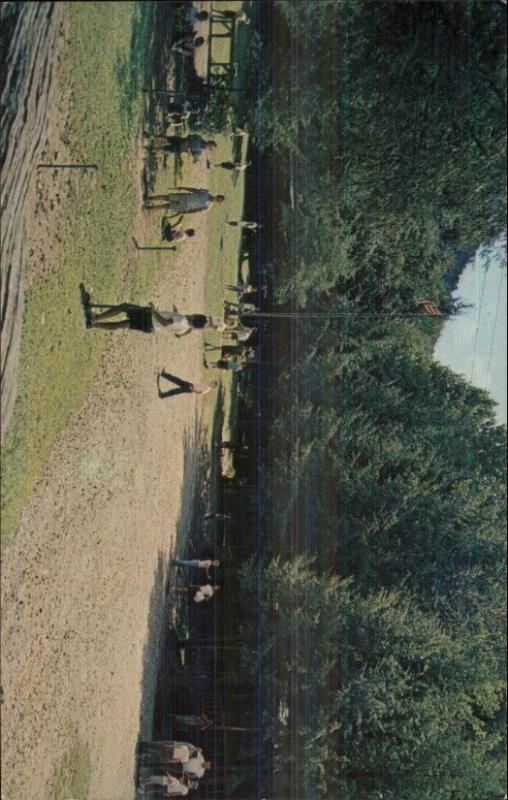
x=91, y=549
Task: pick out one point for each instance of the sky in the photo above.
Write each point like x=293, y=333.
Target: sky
x=473, y=343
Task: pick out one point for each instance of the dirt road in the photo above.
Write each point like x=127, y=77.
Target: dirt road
x=83, y=579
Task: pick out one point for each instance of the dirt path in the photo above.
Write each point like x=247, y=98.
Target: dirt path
x=86, y=567
x=84, y=578
x=27, y=101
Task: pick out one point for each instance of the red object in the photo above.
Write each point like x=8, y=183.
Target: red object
x=429, y=308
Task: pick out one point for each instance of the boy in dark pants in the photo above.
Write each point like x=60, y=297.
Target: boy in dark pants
x=185, y=387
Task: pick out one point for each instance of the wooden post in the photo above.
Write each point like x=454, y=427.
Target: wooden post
x=239, y=728
x=146, y=247
x=67, y=166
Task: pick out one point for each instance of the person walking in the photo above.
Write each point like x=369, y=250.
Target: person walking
x=184, y=387
x=195, y=563
x=184, y=324
x=167, y=751
x=188, y=201
x=241, y=288
x=147, y=319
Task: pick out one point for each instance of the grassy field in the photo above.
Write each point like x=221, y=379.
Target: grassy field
x=72, y=776
x=103, y=65
x=57, y=360
x=223, y=243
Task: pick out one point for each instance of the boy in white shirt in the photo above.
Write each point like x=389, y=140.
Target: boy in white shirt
x=197, y=766
x=202, y=594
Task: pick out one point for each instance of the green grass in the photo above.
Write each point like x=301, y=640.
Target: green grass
x=221, y=47
x=58, y=360
x=72, y=777
x=103, y=67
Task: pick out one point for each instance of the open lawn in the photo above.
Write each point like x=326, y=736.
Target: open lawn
x=100, y=477
x=82, y=227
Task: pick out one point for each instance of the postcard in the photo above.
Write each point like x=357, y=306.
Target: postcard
x=253, y=371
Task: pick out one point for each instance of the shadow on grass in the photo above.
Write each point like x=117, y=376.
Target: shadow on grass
x=132, y=71
x=160, y=75
x=245, y=56
x=187, y=659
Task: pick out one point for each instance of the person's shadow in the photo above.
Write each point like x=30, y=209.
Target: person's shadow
x=85, y=303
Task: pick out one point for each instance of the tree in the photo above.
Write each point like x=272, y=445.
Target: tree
x=379, y=697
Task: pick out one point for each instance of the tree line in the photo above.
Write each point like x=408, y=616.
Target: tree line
x=382, y=579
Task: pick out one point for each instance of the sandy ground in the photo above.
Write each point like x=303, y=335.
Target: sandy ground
x=84, y=574
x=83, y=580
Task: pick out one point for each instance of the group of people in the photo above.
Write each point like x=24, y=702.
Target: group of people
x=170, y=769
x=201, y=593
x=149, y=319
x=174, y=768
x=235, y=353
x=189, y=199
x=232, y=357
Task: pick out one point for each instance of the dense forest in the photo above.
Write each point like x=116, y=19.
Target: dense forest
x=376, y=601
x=392, y=118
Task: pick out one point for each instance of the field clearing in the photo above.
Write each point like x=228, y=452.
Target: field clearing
x=82, y=232
x=81, y=223
x=99, y=475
